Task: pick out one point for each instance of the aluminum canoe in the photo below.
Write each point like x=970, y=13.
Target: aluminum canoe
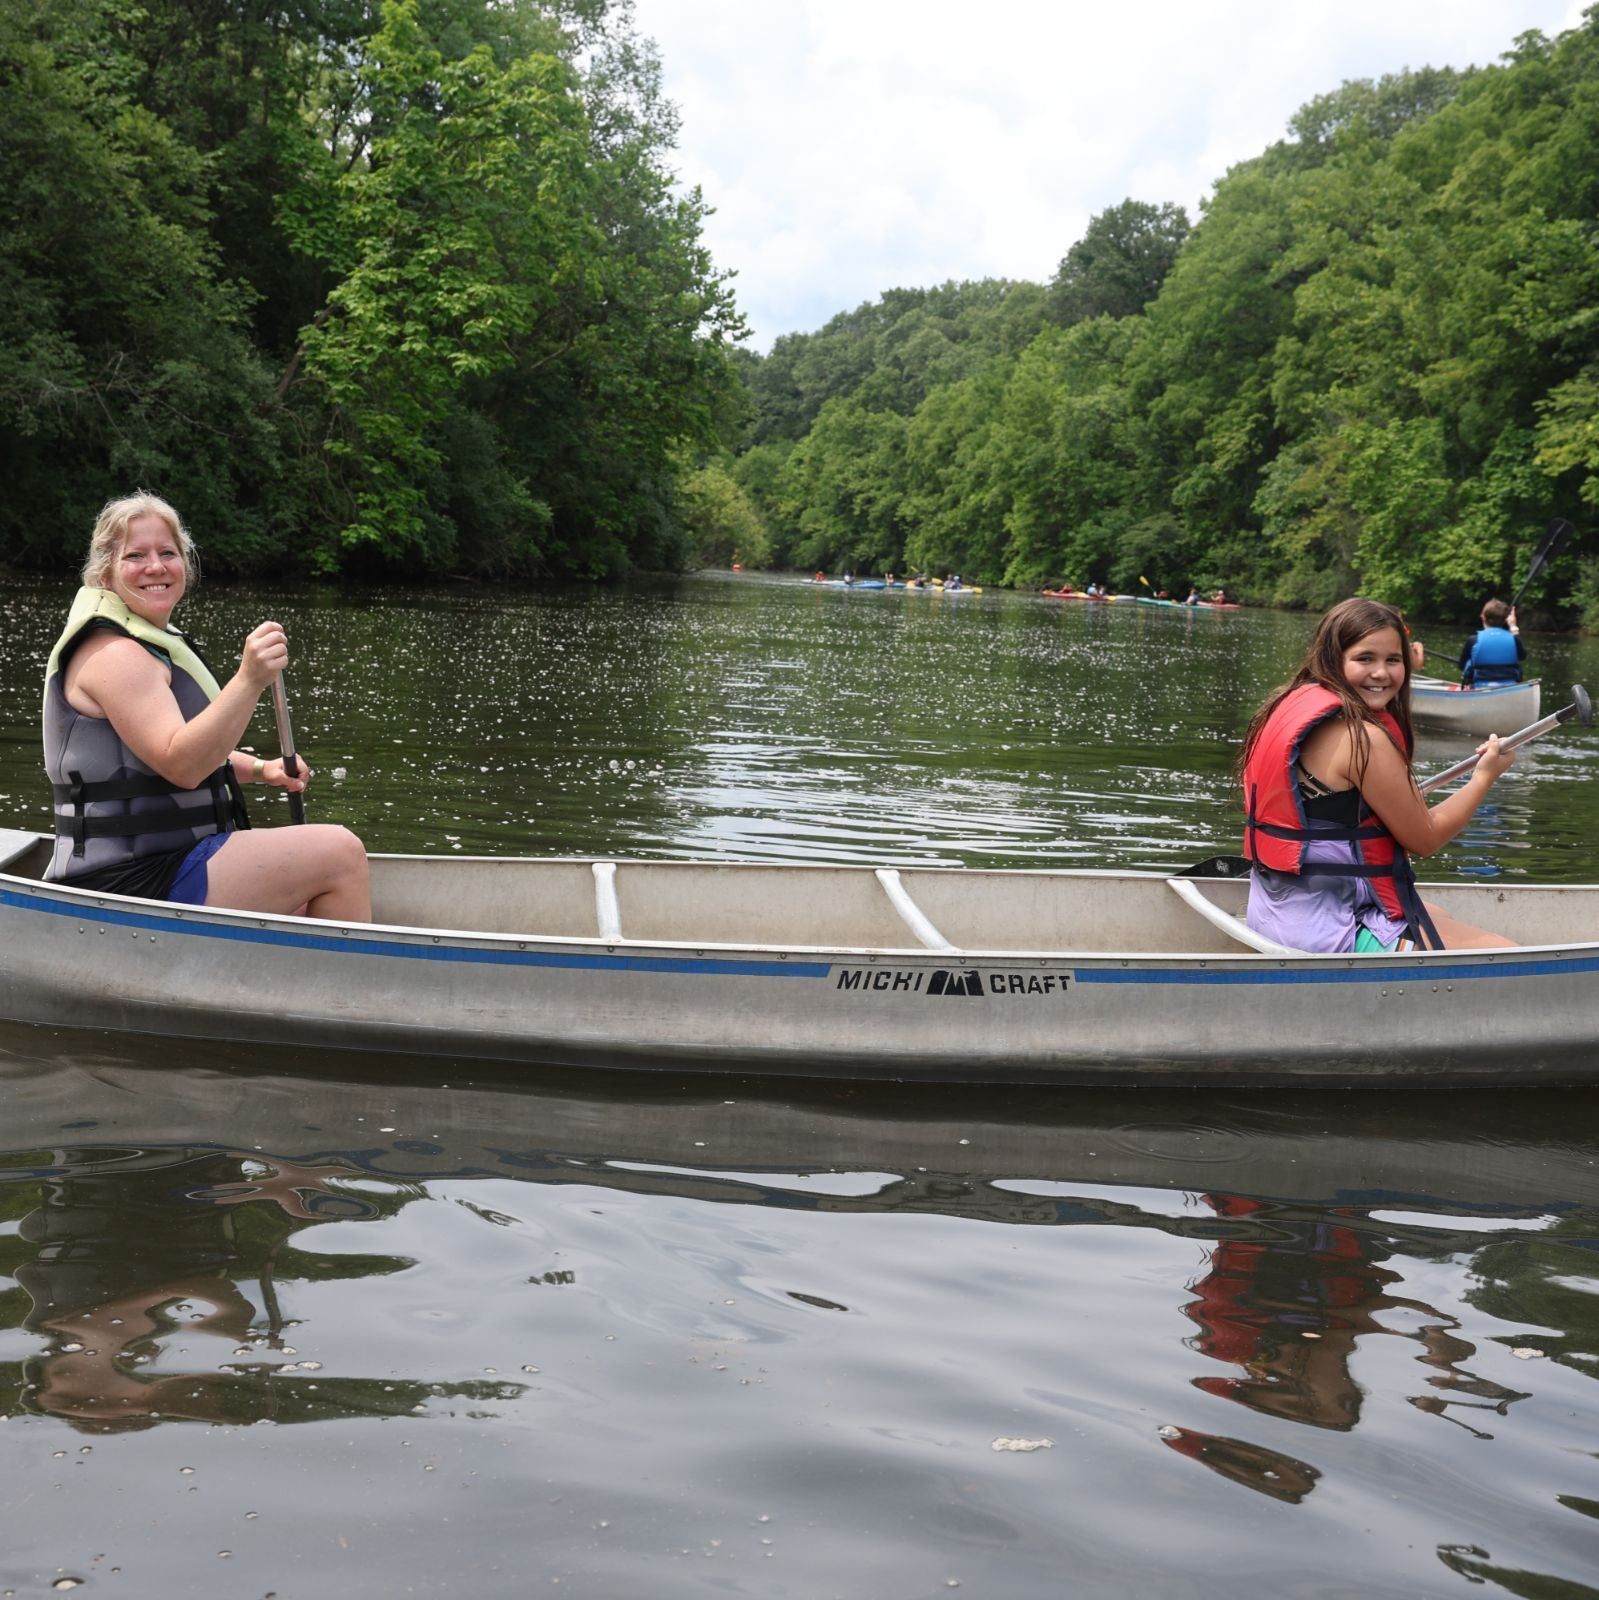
x=1496, y=708
x=829, y=971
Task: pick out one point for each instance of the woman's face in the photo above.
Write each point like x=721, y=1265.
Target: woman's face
x=1374, y=667
x=147, y=575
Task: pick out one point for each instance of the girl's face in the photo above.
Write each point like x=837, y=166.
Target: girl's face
x=1374, y=667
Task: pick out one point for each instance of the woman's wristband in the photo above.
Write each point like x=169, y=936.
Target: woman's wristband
x=257, y=769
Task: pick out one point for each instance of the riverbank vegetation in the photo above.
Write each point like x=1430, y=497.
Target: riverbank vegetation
x=404, y=287
x=361, y=287
x=1372, y=365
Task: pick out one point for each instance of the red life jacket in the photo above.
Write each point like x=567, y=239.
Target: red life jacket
x=1277, y=829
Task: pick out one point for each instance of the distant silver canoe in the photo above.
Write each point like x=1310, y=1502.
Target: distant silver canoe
x=1497, y=708
x=934, y=974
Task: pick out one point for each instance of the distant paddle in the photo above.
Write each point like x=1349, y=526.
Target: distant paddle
x=1581, y=708
x=291, y=765
x=1553, y=542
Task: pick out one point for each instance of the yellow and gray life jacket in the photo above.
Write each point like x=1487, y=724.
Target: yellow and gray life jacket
x=109, y=806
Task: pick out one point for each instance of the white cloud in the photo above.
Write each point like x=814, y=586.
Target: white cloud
x=852, y=147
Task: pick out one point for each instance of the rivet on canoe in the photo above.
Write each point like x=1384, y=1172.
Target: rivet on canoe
x=521, y=944
x=435, y=938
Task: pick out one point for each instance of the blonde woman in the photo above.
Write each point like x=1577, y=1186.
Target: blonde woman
x=139, y=742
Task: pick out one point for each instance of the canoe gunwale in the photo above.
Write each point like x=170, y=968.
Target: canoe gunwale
x=133, y=908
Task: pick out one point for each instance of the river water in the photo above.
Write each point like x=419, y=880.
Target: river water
x=297, y=1324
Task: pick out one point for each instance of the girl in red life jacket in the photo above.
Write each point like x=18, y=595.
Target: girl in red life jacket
x=1333, y=809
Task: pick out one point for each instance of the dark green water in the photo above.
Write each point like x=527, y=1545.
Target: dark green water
x=755, y=718
x=299, y=1325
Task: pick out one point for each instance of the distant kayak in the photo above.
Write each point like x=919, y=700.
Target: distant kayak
x=1076, y=594
x=838, y=583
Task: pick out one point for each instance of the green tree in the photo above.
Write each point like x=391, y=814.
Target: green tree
x=1119, y=264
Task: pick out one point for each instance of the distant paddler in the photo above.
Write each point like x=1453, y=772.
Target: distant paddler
x=140, y=744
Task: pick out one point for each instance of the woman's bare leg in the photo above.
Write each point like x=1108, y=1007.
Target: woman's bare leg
x=1458, y=935
x=318, y=870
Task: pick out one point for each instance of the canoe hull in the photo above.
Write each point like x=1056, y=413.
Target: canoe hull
x=1478, y=712
x=75, y=959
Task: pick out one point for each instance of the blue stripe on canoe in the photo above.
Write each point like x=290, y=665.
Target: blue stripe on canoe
x=745, y=968
x=1442, y=973
x=150, y=921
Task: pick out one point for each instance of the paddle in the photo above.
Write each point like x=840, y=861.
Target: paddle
x=1581, y=708
x=1554, y=541
x=280, y=709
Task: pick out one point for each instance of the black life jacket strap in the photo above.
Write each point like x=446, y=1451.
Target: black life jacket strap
x=166, y=815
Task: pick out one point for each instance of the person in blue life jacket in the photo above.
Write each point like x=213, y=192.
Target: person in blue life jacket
x=140, y=745
x=1495, y=653
x=1333, y=811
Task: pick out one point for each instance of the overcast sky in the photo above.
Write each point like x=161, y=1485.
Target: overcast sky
x=852, y=146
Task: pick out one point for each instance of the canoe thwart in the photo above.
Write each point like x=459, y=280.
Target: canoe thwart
x=910, y=913
x=1193, y=897
x=607, y=910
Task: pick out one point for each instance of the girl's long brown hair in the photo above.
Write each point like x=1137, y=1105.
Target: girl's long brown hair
x=1337, y=633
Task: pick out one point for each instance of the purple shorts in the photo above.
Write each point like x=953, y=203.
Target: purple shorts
x=190, y=886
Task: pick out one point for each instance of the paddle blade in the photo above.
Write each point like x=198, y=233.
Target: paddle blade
x=1579, y=698
x=1553, y=542
x=1217, y=867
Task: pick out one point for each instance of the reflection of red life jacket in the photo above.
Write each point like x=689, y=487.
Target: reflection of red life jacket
x=1257, y=1287
x=1277, y=828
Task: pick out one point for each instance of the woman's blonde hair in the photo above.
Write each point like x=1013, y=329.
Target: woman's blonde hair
x=111, y=527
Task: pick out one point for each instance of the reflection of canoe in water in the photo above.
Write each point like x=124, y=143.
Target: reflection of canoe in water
x=972, y=976
x=1496, y=708
x=655, y=1132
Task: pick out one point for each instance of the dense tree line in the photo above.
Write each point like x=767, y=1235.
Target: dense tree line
x=1372, y=365
x=362, y=286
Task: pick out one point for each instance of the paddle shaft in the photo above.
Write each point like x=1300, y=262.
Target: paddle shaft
x=291, y=765
x=1510, y=741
